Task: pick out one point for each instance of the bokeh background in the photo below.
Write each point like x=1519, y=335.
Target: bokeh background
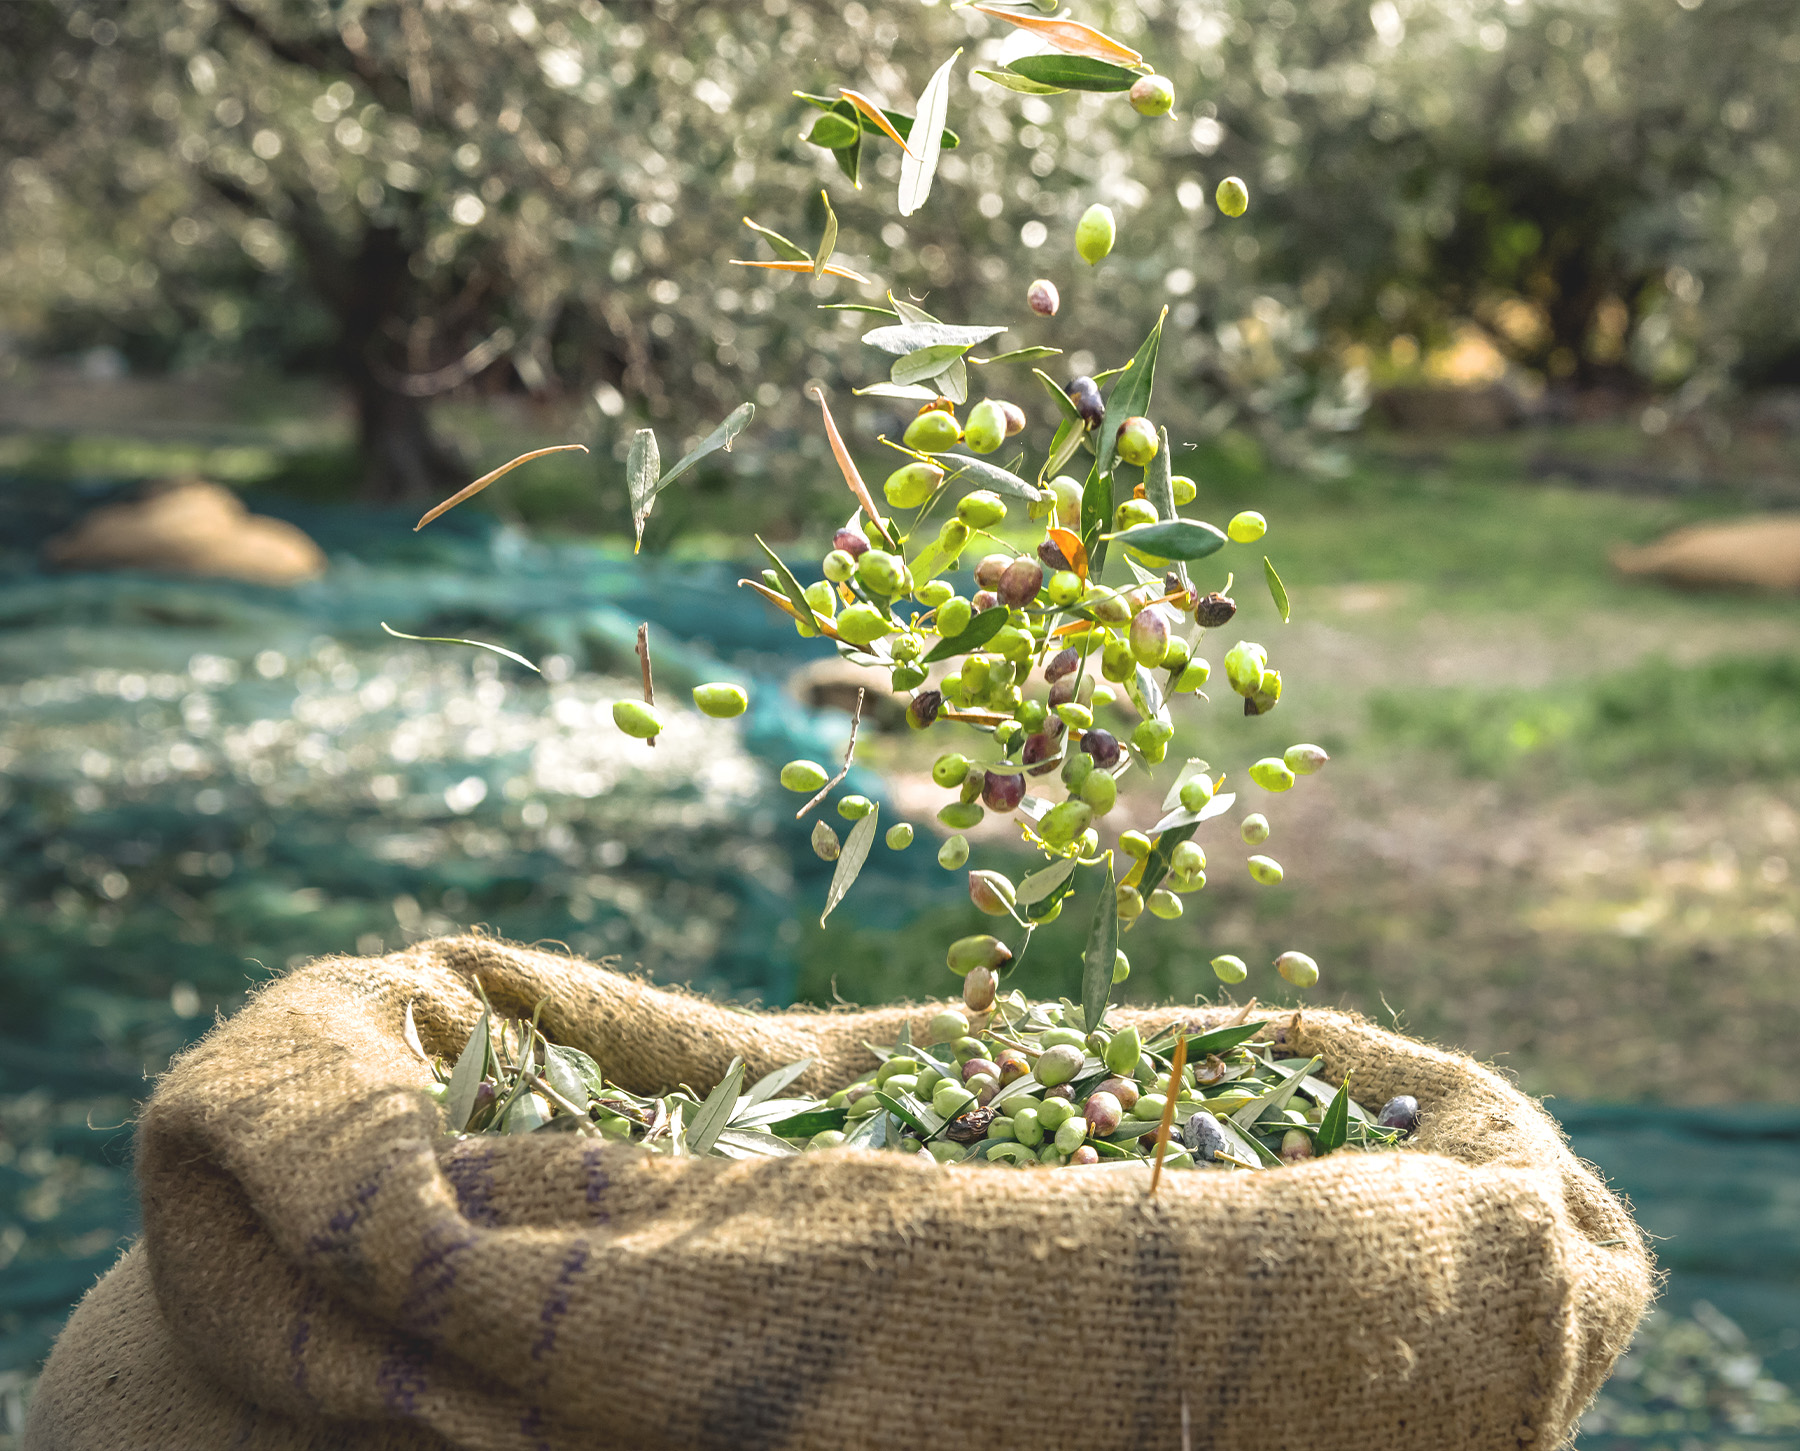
x=1515, y=294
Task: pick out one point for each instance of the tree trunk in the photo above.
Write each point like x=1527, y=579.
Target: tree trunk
x=402, y=459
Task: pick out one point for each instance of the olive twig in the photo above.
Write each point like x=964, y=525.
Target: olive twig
x=643, y=654
x=849, y=755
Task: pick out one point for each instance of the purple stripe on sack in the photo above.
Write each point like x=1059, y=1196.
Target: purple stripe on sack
x=532, y=1424
x=338, y=1241
x=401, y=1377
x=471, y=1175
x=598, y=1182
x=434, y=1273
x=556, y=1305
x=298, y=1341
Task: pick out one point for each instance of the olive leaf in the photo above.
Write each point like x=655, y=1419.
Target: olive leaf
x=1276, y=1098
x=1021, y=84
x=1222, y=1040
x=1159, y=488
x=827, y=243
x=911, y=392
x=1042, y=883
x=905, y=1109
x=1180, y=539
x=752, y=1143
x=1131, y=398
x=974, y=635
x=813, y=1121
x=410, y=1031
x=708, y=1121
x=1069, y=36
x=791, y=251
x=910, y=337
x=1102, y=953
x=833, y=131
x=468, y=491
x=453, y=640
x=868, y=307
x=947, y=138
x=1191, y=768
x=1059, y=393
x=919, y=166
x=1218, y=806
x=1156, y=865
x=789, y=585
x=1019, y=355
x=643, y=471
x=1334, y=1128
x=1096, y=509
x=953, y=382
x=466, y=1076
x=916, y=367
x=850, y=861
x=1054, y=73
x=772, y=1083
x=1067, y=443
x=1277, y=590
x=997, y=478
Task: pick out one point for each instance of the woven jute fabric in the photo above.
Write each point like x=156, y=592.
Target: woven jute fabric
x=323, y=1266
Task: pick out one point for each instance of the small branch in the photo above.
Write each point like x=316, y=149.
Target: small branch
x=1237, y=1018
x=1176, y=1066
x=643, y=654
x=849, y=753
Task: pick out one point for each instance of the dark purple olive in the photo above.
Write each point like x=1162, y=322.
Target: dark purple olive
x=1103, y=746
x=1002, y=791
x=850, y=542
x=1053, y=557
x=1064, y=662
x=979, y=1065
x=1214, y=610
x=1400, y=1112
x=1062, y=1090
x=1203, y=1137
x=922, y=710
x=1084, y=393
x=1062, y=692
x=1104, y=1113
x=988, y=572
x=1021, y=581
x=1038, y=754
x=985, y=599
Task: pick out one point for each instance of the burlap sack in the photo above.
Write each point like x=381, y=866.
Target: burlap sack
x=321, y=1267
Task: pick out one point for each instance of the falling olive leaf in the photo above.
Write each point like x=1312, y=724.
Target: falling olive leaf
x=833, y=131
x=1096, y=510
x=1131, y=398
x=470, y=490
x=954, y=382
x=925, y=363
x=643, y=471
x=1072, y=73
x=1182, y=539
x=947, y=138
x=831, y=270
x=790, y=586
x=721, y=437
x=827, y=243
x=917, y=168
x=466, y=1076
x=452, y=640
x=1218, y=806
x=1277, y=590
x=847, y=465
x=877, y=115
x=849, y=160
x=850, y=861
x=996, y=478
x=1102, y=953
x=1072, y=550
x=911, y=392
x=1042, y=883
x=912, y=337
x=1019, y=355
x=974, y=635
x=1023, y=85
x=1069, y=36
x=709, y=1120
x=791, y=251
x=869, y=307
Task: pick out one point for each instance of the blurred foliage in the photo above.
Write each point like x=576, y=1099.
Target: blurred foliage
x=545, y=197
x=1727, y=719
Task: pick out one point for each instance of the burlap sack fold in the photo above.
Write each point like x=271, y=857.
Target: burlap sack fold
x=328, y=1269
